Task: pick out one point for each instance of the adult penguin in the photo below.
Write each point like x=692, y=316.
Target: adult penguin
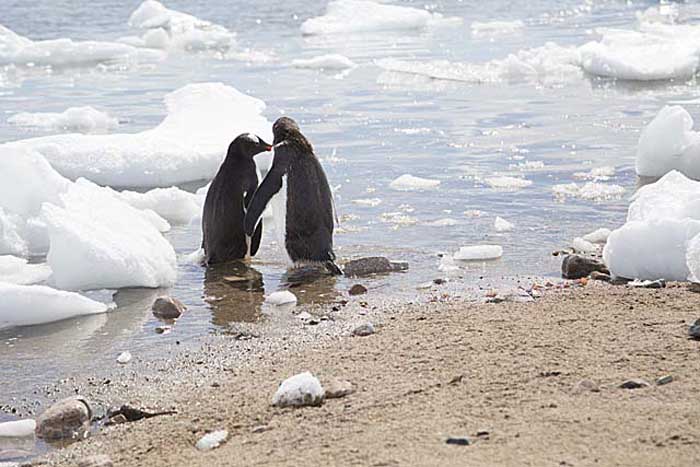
x=309, y=220
x=229, y=195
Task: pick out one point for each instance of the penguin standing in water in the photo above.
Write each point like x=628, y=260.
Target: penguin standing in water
x=309, y=219
x=225, y=206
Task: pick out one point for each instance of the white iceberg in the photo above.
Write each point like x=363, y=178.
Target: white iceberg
x=189, y=144
x=478, y=253
x=496, y=28
x=24, y=305
x=325, y=62
x=502, y=225
x=409, y=182
x=74, y=119
x=507, y=183
x=299, y=390
x=17, y=271
x=17, y=428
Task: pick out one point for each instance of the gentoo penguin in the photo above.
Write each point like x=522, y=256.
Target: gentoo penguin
x=228, y=197
x=309, y=220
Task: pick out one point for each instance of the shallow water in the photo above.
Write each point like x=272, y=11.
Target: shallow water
x=368, y=127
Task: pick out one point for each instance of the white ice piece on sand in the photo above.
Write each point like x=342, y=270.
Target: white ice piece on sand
x=669, y=143
x=74, y=119
x=409, y=182
x=496, y=28
x=447, y=264
x=124, y=357
x=17, y=428
x=478, y=253
x=299, y=390
x=17, y=271
x=502, y=225
x=283, y=297
x=342, y=17
x=325, y=62
x=507, y=183
x=24, y=305
x=597, y=236
x=212, y=440
x=189, y=144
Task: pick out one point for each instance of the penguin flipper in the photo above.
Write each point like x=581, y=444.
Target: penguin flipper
x=271, y=184
x=255, y=241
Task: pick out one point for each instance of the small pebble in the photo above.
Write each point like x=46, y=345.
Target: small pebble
x=600, y=276
x=337, y=388
x=168, y=308
x=664, y=380
x=363, y=330
x=694, y=330
x=458, y=441
x=634, y=384
x=124, y=357
x=163, y=329
x=357, y=289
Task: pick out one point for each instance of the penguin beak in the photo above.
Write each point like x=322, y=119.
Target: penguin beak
x=265, y=146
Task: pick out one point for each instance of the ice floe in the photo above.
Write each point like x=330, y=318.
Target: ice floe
x=478, y=253
x=444, y=222
x=75, y=119
x=342, y=16
x=597, y=174
x=409, y=182
x=189, y=144
x=502, y=225
x=668, y=143
x=369, y=202
x=24, y=305
x=496, y=28
x=584, y=246
x=507, y=183
x=325, y=62
x=17, y=271
x=591, y=191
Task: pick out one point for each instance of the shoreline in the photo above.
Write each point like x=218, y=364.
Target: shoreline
x=509, y=376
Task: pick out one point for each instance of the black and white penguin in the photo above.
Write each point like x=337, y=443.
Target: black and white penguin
x=229, y=195
x=309, y=215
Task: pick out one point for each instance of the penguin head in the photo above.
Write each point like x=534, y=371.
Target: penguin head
x=283, y=128
x=247, y=145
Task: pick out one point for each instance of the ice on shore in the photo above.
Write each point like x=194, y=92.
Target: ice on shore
x=325, y=62
x=170, y=29
x=502, y=225
x=478, y=253
x=299, y=390
x=584, y=246
x=597, y=236
x=189, y=144
x=17, y=271
x=283, y=297
x=496, y=28
x=342, y=17
x=17, y=428
x=74, y=119
x=591, y=191
x=507, y=183
x=668, y=143
x=24, y=305
x=11, y=240
x=172, y=204
x=409, y=182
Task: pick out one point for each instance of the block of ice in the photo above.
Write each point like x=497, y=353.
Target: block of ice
x=674, y=196
x=17, y=271
x=342, y=17
x=598, y=236
x=496, y=28
x=325, y=62
x=478, y=253
x=584, y=246
x=299, y=390
x=172, y=204
x=25, y=305
x=171, y=29
x=189, y=144
x=502, y=225
x=591, y=191
x=408, y=182
x=669, y=143
x=79, y=119
x=447, y=264
x=17, y=428
x=11, y=240
x=507, y=183
x=284, y=297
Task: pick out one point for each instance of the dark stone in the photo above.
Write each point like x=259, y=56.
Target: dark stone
x=363, y=330
x=372, y=265
x=439, y=281
x=694, y=330
x=458, y=441
x=634, y=384
x=357, y=289
x=664, y=380
x=619, y=281
x=694, y=287
x=577, y=267
x=168, y=308
x=600, y=276
x=132, y=414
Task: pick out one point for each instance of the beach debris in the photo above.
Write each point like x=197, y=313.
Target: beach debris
x=577, y=267
x=260, y=429
x=357, y=289
x=124, y=357
x=336, y=388
x=66, y=419
x=600, y=276
x=586, y=385
x=657, y=284
x=372, y=265
x=300, y=390
x=694, y=330
x=458, y=441
x=128, y=413
x=163, y=329
x=168, y=308
x=664, y=380
x=636, y=383
x=439, y=281
x=478, y=253
x=212, y=440
x=284, y=297
x=17, y=428
x=366, y=329
x=98, y=460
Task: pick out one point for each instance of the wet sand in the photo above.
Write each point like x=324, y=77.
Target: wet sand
x=507, y=376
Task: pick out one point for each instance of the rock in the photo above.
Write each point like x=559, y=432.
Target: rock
x=304, y=316
x=664, y=380
x=586, y=385
x=634, y=384
x=17, y=428
x=619, y=281
x=657, y=284
x=300, y=390
x=458, y=441
x=576, y=267
x=337, y=388
x=99, y=460
x=124, y=357
x=357, y=289
x=694, y=330
x=439, y=281
x=363, y=330
x=66, y=419
x=212, y=440
x=117, y=419
x=372, y=265
x=600, y=276
x=168, y=308
x=260, y=429
x=163, y=329
x=694, y=287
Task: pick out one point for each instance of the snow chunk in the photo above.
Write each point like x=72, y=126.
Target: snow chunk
x=342, y=17
x=447, y=264
x=666, y=13
x=597, y=236
x=496, y=28
x=212, y=440
x=669, y=143
x=11, y=240
x=170, y=29
x=584, y=246
x=16, y=271
x=591, y=191
x=299, y=390
x=478, y=253
x=172, y=204
x=124, y=357
x=444, y=222
x=408, y=182
x=74, y=119
x=502, y=225
x=325, y=62
x=370, y=202
x=284, y=297
x=24, y=305
x=17, y=428
x=189, y=144
x=507, y=183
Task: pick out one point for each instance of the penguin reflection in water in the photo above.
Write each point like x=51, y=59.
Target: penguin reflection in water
x=228, y=197
x=309, y=219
